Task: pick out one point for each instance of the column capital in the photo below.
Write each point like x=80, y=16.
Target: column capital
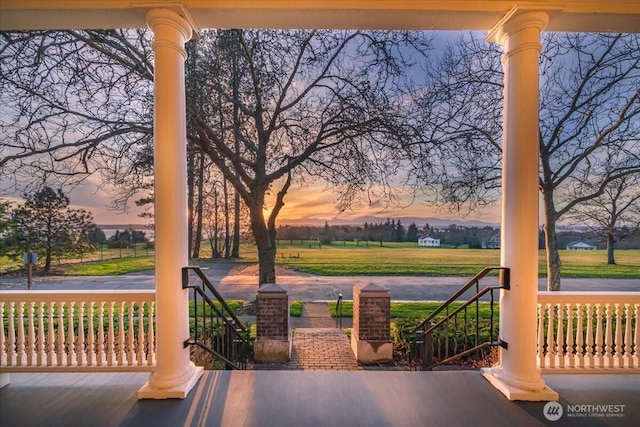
x=169, y=29
x=516, y=21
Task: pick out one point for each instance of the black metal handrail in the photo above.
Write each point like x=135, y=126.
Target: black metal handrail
x=219, y=331
x=339, y=312
x=439, y=324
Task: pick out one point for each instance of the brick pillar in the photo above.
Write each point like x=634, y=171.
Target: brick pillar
x=273, y=342
x=370, y=336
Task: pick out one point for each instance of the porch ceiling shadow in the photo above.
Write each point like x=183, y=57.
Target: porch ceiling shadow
x=568, y=15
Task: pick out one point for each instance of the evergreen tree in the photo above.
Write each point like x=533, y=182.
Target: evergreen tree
x=47, y=225
x=412, y=233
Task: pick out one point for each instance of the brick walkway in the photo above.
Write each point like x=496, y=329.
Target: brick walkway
x=314, y=315
x=317, y=344
x=322, y=349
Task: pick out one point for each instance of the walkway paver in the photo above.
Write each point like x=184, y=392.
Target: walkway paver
x=322, y=349
x=317, y=344
x=315, y=315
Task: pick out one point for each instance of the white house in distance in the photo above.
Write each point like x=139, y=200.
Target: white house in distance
x=428, y=241
x=581, y=246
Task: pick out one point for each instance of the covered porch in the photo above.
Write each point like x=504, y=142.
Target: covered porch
x=287, y=398
x=365, y=398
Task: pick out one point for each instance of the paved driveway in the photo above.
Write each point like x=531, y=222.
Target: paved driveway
x=234, y=283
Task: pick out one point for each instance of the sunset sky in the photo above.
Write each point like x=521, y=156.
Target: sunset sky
x=311, y=203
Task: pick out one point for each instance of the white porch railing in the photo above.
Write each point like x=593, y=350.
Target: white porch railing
x=77, y=330
x=588, y=332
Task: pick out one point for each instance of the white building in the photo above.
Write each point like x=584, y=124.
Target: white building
x=428, y=241
x=581, y=246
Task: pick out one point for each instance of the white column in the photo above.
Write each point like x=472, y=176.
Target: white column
x=517, y=375
x=174, y=374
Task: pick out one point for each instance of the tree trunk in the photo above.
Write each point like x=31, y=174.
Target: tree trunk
x=265, y=242
x=190, y=200
x=551, y=244
x=610, y=247
x=215, y=253
x=235, y=250
x=227, y=242
x=197, y=241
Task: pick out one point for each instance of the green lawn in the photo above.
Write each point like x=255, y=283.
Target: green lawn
x=408, y=259
x=401, y=259
x=111, y=267
x=412, y=310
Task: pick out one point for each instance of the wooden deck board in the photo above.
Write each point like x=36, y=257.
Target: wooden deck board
x=304, y=398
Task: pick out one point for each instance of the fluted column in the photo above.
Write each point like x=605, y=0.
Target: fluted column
x=174, y=374
x=517, y=375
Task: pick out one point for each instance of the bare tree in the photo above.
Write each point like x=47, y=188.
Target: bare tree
x=298, y=104
x=589, y=124
x=614, y=215
x=309, y=103
x=75, y=102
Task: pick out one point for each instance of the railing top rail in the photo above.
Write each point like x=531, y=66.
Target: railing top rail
x=471, y=282
x=458, y=309
x=595, y=297
x=77, y=295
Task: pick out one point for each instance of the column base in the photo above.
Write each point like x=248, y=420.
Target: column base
x=4, y=380
x=512, y=393
x=178, y=392
x=272, y=351
x=370, y=352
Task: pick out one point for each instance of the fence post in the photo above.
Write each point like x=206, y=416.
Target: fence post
x=427, y=349
x=273, y=341
x=370, y=335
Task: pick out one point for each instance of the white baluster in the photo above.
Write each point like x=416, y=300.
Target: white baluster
x=560, y=337
x=31, y=346
x=608, y=348
x=151, y=354
x=3, y=339
x=549, y=359
x=617, y=358
x=628, y=313
x=122, y=354
x=141, y=355
x=51, y=341
x=81, y=354
x=102, y=359
x=61, y=354
x=570, y=353
x=71, y=338
x=540, y=336
x=11, y=339
x=22, y=357
x=111, y=355
x=579, y=338
x=132, y=354
x=42, y=354
x=636, y=337
x=599, y=344
x=589, y=359
x=91, y=351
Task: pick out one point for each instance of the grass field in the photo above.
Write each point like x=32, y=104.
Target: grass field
x=393, y=259
x=104, y=255
x=411, y=310
x=408, y=259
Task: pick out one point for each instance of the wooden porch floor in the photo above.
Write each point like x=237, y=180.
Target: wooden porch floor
x=305, y=398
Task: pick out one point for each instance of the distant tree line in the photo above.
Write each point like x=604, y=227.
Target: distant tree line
x=391, y=230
